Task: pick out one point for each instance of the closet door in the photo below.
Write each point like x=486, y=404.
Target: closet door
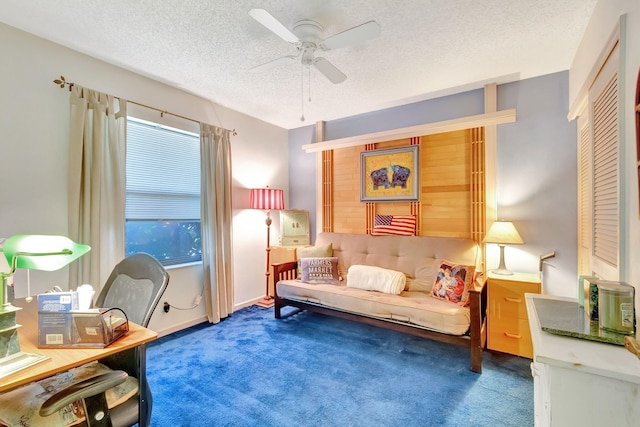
x=606, y=169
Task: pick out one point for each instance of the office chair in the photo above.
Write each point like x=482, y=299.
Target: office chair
x=135, y=285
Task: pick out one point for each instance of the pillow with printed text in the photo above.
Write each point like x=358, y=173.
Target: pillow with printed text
x=319, y=270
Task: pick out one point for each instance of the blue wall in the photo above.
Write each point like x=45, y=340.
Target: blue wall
x=537, y=176
x=536, y=166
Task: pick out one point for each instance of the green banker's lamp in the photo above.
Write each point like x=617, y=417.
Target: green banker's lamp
x=33, y=252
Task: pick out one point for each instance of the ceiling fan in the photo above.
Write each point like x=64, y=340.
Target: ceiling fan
x=306, y=36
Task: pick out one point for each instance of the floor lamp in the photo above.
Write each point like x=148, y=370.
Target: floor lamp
x=267, y=199
x=502, y=233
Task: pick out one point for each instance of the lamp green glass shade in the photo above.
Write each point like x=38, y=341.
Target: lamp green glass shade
x=41, y=252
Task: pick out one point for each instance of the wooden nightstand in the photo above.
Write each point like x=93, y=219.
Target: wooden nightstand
x=508, y=325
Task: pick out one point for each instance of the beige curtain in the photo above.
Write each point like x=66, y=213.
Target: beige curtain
x=216, y=221
x=96, y=183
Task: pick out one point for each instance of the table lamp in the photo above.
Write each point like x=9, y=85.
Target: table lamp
x=33, y=252
x=502, y=233
x=267, y=199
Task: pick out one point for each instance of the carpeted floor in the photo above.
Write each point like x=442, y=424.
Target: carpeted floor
x=314, y=370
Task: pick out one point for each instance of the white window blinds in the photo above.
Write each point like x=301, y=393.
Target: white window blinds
x=605, y=173
x=163, y=173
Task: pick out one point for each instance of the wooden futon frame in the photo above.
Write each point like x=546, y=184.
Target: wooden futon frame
x=475, y=339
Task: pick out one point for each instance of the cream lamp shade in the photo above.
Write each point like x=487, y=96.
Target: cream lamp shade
x=502, y=233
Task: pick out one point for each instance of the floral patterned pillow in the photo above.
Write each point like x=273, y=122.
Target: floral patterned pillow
x=453, y=282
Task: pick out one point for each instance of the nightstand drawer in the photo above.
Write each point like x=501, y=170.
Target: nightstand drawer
x=510, y=336
x=508, y=324
x=506, y=299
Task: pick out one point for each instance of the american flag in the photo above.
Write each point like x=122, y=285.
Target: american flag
x=402, y=225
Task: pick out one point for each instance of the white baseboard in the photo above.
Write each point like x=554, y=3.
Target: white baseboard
x=181, y=326
x=246, y=304
x=193, y=322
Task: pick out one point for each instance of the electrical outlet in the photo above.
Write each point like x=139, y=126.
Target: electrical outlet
x=198, y=298
x=166, y=307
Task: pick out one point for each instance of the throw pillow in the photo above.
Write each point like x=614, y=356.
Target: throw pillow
x=313, y=252
x=373, y=278
x=453, y=282
x=320, y=270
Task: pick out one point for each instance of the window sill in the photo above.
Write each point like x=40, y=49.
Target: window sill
x=176, y=266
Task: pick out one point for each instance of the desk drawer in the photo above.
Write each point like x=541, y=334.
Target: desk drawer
x=510, y=335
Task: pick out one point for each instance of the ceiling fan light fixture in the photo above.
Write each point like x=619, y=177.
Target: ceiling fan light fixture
x=306, y=35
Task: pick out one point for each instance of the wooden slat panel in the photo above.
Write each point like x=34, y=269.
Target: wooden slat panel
x=399, y=208
x=349, y=215
x=327, y=190
x=445, y=185
x=478, y=186
x=445, y=188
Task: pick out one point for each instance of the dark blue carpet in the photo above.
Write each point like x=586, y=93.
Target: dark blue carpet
x=315, y=370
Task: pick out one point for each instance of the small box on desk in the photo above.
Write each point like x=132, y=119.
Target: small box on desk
x=92, y=328
x=55, y=329
x=584, y=283
x=590, y=296
x=57, y=302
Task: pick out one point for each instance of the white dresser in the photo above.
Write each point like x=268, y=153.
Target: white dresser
x=578, y=382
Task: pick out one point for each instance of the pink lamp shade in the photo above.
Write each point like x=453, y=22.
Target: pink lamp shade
x=267, y=199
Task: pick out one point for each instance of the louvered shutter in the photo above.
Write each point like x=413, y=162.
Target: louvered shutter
x=605, y=173
x=584, y=197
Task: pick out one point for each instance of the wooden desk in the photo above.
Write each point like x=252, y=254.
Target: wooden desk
x=581, y=383
x=64, y=358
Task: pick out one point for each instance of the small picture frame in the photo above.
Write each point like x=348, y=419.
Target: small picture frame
x=294, y=228
x=390, y=174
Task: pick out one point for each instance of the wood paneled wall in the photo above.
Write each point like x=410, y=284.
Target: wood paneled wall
x=447, y=163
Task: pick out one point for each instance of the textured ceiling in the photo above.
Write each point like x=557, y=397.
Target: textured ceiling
x=426, y=48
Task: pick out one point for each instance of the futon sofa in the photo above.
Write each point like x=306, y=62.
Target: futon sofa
x=388, y=281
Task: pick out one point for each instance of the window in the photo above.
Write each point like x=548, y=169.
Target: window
x=163, y=193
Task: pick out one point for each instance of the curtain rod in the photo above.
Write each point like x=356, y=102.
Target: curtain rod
x=62, y=83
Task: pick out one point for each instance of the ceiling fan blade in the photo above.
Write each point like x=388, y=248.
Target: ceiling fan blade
x=272, y=24
x=275, y=63
x=368, y=30
x=329, y=70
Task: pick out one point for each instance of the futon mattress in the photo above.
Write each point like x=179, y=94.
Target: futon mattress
x=417, y=308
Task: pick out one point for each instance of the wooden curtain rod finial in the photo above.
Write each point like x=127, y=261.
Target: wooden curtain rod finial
x=62, y=82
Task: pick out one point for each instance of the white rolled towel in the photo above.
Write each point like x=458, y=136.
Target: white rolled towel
x=373, y=278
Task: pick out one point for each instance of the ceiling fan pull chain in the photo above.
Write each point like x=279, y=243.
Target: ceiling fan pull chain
x=309, y=80
x=302, y=91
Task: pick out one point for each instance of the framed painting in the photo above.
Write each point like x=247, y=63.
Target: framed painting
x=390, y=174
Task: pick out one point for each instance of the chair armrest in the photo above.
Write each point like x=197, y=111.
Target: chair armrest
x=284, y=271
x=479, y=284
x=81, y=390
